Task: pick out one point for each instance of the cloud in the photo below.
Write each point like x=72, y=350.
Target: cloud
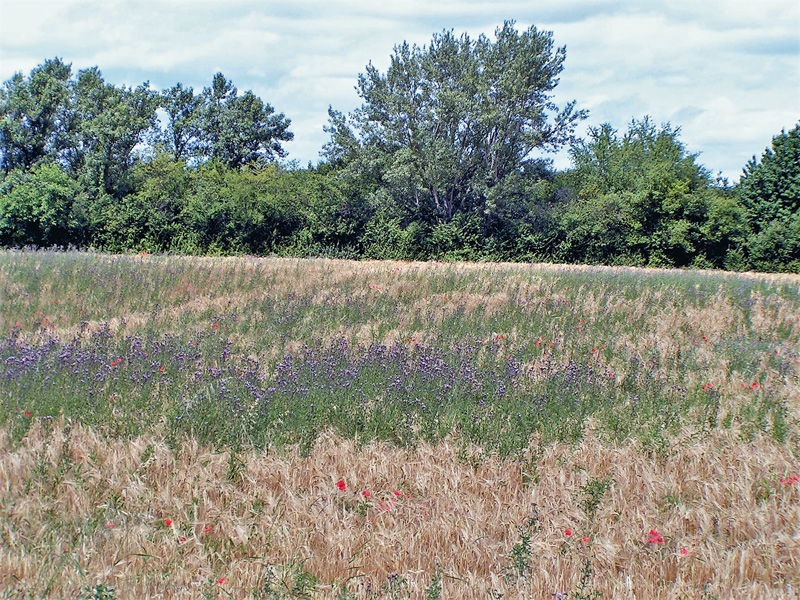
x=725, y=71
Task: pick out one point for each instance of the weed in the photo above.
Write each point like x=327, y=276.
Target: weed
x=593, y=492
x=583, y=589
x=99, y=591
x=520, y=554
x=287, y=581
x=434, y=589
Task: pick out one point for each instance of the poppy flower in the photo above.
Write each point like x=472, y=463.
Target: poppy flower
x=655, y=537
x=366, y=494
x=568, y=532
x=207, y=528
x=341, y=485
x=221, y=580
x=168, y=522
x=585, y=539
x=398, y=494
x=684, y=552
x=27, y=413
x=183, y=539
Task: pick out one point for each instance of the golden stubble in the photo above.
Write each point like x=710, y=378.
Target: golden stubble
x=718, y=499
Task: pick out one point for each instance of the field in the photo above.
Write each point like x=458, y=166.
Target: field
x=281, y=428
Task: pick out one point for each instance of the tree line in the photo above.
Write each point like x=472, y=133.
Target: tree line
x=445, y=159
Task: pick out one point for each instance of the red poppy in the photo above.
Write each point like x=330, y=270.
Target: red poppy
x=168, y=522
x=585, y=539
x=27, y=413
x=221, y=580
x=398, y=494
x=341, y=485
x=366, y=494
x=207, y=529
x=183, y=539
x=568, y=532
x=684, y=552
x=655, y=537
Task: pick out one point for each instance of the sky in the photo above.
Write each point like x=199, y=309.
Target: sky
x=726, y=72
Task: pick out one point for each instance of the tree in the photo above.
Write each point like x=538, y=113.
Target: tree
x=770, y=193
x=32, y=115
x=239, y=130
x=105, y=125
x=35, y=207
x=644, y=190
x=184, y=121
x=446, y=125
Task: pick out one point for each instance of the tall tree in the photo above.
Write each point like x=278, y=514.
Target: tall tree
x=184, y=109
x=239, y=130
x=446, y=125
x=106, y=124
x=770, y=192
x=641, y=197
x=32, y=115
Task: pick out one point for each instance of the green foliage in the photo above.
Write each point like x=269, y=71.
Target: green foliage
x=99, y=592
x=593, y=493
x=239, y=130
x=105, y=126
x=521, y=552
x=33, y=112
x=448, y=123
x=583, y=589
x=439, y=163
x=641, y=199
x=770, y=193
x=385, y=238
x=36, y=206
x=287, y=581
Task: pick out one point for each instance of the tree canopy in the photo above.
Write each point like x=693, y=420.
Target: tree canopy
x=445, y=159
x=448, y=124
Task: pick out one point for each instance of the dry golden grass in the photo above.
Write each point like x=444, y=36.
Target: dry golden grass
x=77, y=509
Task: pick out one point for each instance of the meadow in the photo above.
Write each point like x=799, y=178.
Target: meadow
x=176, y=427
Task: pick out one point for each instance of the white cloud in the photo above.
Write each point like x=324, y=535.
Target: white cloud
x=726, y=71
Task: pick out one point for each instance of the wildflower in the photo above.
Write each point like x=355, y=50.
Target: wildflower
x=684, y=552
x=183, y=539
x=221, y=580
x=754, y=385
x=568, y=532
x=207, y=528
x=341, y=485
x=655, y=537
x=168, y=522
x=27, y=413
x=366, y=494
x=110, y=524
x=585, y=539
x=398, y=494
